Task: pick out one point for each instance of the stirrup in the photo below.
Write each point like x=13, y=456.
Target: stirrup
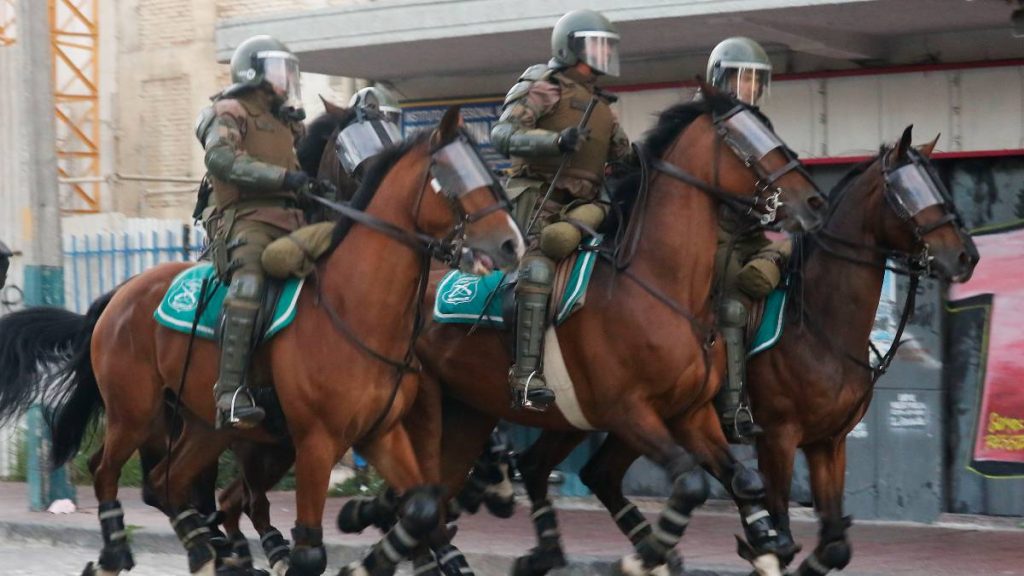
x=257, y=414
x=521, y=392
x=744, y=429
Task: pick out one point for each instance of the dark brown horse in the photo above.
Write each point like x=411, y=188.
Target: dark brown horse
x=640, y=355
x=811, y=389
x=341, y=372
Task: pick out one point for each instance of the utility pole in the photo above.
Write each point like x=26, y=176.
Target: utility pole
x=44, y=271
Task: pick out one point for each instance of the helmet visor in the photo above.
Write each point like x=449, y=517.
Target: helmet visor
x=748, y=81
x=360, y=141
x=281, y=71
x=599, y=50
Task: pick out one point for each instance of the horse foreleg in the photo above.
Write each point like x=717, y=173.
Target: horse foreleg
x=776, y=449
x=827, y=463
x=701, y=432
x=315, y=455
x=645, y=433
x=536, y=465
x=392, y=455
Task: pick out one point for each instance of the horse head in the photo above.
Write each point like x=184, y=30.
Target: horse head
x=750, y=160
x=921, y=219
x=458, y=199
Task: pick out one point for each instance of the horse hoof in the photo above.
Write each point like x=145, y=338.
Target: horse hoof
x=280, y=568
x=767, y=565
x=208, y=569
x=500, y=507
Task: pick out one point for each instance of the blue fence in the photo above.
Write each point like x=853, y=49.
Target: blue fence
x=96, y=263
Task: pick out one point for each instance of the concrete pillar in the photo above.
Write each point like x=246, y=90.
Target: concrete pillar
x=44, y=274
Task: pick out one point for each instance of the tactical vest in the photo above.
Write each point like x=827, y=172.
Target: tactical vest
x=264, y=138
x=588, y=162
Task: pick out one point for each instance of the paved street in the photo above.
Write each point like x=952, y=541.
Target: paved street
x=37, y=559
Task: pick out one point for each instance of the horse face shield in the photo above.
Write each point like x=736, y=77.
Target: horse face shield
x=362, y=140
x=751, y=140
x=458, y=170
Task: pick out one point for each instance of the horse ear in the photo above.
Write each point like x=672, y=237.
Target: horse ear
x=450, y=124
x=904, y=144
x=332, y=108
x=927, y=149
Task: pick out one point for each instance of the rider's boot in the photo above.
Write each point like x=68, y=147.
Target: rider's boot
x=734, y=413
x=529, y=390
x=235, y=405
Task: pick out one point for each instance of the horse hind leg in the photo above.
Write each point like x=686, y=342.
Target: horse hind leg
x=536, y=464
x=263, y=467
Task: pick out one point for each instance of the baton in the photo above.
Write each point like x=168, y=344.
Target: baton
x=561, y=167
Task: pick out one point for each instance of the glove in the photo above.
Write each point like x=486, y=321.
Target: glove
x=294, y=180
x=572, y=139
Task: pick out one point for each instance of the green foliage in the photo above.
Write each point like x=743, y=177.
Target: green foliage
x=364, y=483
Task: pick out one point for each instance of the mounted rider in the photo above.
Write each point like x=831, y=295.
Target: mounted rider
x=748, y=264
x=249, y=134
x=539, y=128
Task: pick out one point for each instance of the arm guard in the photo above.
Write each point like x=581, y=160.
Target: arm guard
x=226, y=161
x=519, y=142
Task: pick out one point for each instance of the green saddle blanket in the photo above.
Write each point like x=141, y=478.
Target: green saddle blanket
x=770, y=329
x=470, y=299
x=177, y=310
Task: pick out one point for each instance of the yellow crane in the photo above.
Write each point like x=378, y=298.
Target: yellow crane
x=74, y=37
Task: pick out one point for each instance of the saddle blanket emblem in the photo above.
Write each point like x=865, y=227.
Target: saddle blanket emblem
x=177, y=309
x=464, y=298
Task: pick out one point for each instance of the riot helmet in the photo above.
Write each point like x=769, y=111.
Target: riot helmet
x=741, y=67
x=263, y=61
x=585, y=36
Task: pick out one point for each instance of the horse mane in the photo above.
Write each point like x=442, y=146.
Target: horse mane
x=318, y=133
x=377, y=168
x=804, y=247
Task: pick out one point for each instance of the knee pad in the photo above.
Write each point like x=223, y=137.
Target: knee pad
x=536, y=275
x=747, y=484
x=689, y=491
x=733, y=313
x=836, y=554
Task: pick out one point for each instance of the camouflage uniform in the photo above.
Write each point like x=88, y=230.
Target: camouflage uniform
x=537, y=128
x=249, y=138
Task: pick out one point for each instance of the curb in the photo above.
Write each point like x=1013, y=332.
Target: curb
x=160, y=542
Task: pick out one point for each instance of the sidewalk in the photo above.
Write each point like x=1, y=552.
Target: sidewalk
x=958, y=546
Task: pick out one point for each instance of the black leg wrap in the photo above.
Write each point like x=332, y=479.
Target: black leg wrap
x=759, y=528
x=308, y=557
x=688, y=492
x=116, y=554
x=472, y=494
x=632, y=523
x=424, y=563
x=275, y=547
x=194, y=534
x=360, y=513
x=420, y=514
x=545, y=523
x=747, y=484
x=451, y=562
x=240, y=551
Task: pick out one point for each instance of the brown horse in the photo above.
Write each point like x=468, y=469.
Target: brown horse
x=811, y=389
x=640, y=354
x=341, y=373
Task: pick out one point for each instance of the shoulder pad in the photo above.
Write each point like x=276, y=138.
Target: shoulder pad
x=535, y=72
x=531, y=75
x=203, y=123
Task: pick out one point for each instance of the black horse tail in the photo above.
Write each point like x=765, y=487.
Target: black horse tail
x=76, y=400
x=32, y=343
